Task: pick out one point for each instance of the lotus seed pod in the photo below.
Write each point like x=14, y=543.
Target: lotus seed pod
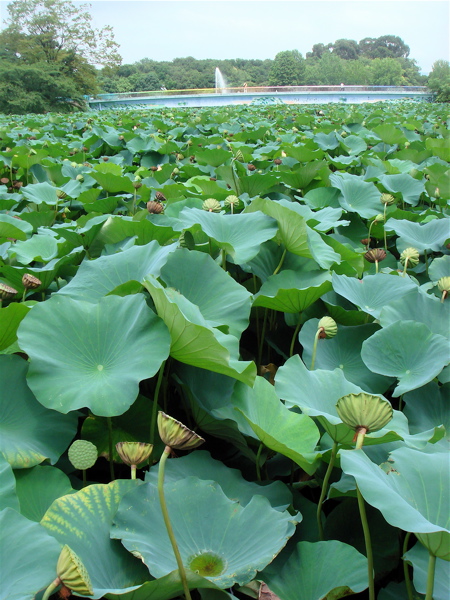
x=251, y=167
x=232, y=200
x=444, y=284
x=137, y=185
x=82, y=454
x=375, y=255
x=278, y=161
x=154, y=208
x=72, y=573
x=80, y=178
x=387, y=199
x=412, y=254
x=61, y=195
x=6, y=291
x=364, y=411
x=212, y=205
x=30, y=282
x=328, y=326
x=176, y=435
x=134, y=453
x=159, y=197
x=379, y=218
x=176, y=171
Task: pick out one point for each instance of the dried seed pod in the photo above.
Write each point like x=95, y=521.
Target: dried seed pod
x=72, y=573
x=83, y=455
x=328, y=326
x=176, y=435
x=134, y=453
x=375, y=255
x=6, y=291
x=30, y=282
x=278, y=161
x=366, y=411
x=155, y=208
x=4, y=181
x=212, y=205
x=159, y=197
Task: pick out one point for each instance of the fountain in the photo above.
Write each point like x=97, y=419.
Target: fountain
x=221, y=84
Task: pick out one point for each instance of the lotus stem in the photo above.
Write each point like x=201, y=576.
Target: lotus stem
x=165, y=512
x=430, y=576
x=316, y=339
x=263, y=333
x=155, y=403
x=409, y=587
x=224, y=260
x=24, y=295
x=84, y=477
x=325, y=489
x=359, y=435
x=110, y=443
x=294, y=337
x=368, y=237
x=376, y=266
x=405, y=267
x=368, y=543
x=133, y=471
x=51, y=588
x=280, y=264
x=258, y=456
x=425, y=255
x=384, y=231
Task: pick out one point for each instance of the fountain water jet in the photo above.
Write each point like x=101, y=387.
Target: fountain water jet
x=220, y=82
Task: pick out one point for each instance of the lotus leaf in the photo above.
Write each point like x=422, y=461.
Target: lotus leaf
x=213, y=547
x=85, y=359
x=357, y=195
x=10, y=318
x=418, y=557
x=423, y=236
x=8, y=496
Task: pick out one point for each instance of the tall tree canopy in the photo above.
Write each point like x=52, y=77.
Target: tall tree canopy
x=288, y=68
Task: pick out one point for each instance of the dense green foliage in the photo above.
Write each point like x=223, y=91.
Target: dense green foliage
x=439, y=80
x=276, y=278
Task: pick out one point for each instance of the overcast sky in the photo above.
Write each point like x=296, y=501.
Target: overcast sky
x=164, y=30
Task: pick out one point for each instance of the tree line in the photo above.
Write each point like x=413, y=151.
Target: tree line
x=50, y=55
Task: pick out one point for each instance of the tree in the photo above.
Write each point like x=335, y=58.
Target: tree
x=346, y=49
x=51, y=28
x=386, y=46
x=288, y=68
x=318, y=50
x=386, y=71
x=439, y=80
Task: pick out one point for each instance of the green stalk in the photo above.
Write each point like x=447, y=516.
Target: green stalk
x=316, y=339
x=224, y=260
x=165, y=512
x=84, y=478
x=51, y=588
x=425, y=255
x=155, y=404
x=368, y=543
x=280, y=263
x=294, y=337
x=24, y=294
x=384, y=230
x=325, y=489
x=133, y=471
x=263, y=333
x=110, y=443
x=405, y=267
x=376, y=266
x=409, y=587
x=258, y=456
x=430, y=577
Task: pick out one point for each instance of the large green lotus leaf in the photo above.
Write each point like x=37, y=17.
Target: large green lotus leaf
x=409, y=351
x=41, y=192
x=10, y=318
x=117, y=228
x=239, y=235
x=14, y=228
x=410, y=188
x=201, y=464
x=205, y=522
x=28, y=557
x=38, y=487
x=194, y=341
x=316, y=394
x=299, y=177
x=94, y=355
x=322, y=197
x=292, y=230
x=440, y=267
x=29, y=433
x=343, y=351
x=99, y=277
x=428, y=407
x=40, y=248
x=319, y=570
x=113, y=184
x=373, y=292
x=343, y=311
x=221, y=300
x=320, y=251
x=8, y=496
x=390, y=134
x=212, y=156
x=321, y=220
x=354, y=144
x=420, y=307
x=418, y=557
x=423, y=236
x=326, y=141
x=292, y=291
x=278, y=428
x=411, y=492
x=83, y=521
x=357, y=195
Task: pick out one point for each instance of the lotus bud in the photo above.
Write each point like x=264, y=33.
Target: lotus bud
x=364, y=413
x=72, y=573
x=154, y=208
x=134, y=453
x=375, y=255
x=60, y=194
x=410, y=256
x=379, y=218
x=175, y=172
x=6, y=292
x=159, y=197
x=82, y=455
x=239, y=156
x=30, y=282
x=179, y=156
x=328, y=326
x=80, y=178
x=437, y=193
x=212, y=205
x=444, y=287
x=74, y=165
x=387, y=199
x=176, y=435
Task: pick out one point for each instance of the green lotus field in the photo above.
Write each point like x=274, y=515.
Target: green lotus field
x=224, y=353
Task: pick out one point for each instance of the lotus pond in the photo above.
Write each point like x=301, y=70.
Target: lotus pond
x=224, y=353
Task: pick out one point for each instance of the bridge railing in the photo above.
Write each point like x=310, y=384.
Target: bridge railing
x=263, y=90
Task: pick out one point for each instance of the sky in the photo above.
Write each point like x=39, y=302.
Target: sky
x=164, y=30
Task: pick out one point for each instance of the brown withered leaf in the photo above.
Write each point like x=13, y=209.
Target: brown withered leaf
x=270, y=369
x=266, y=594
